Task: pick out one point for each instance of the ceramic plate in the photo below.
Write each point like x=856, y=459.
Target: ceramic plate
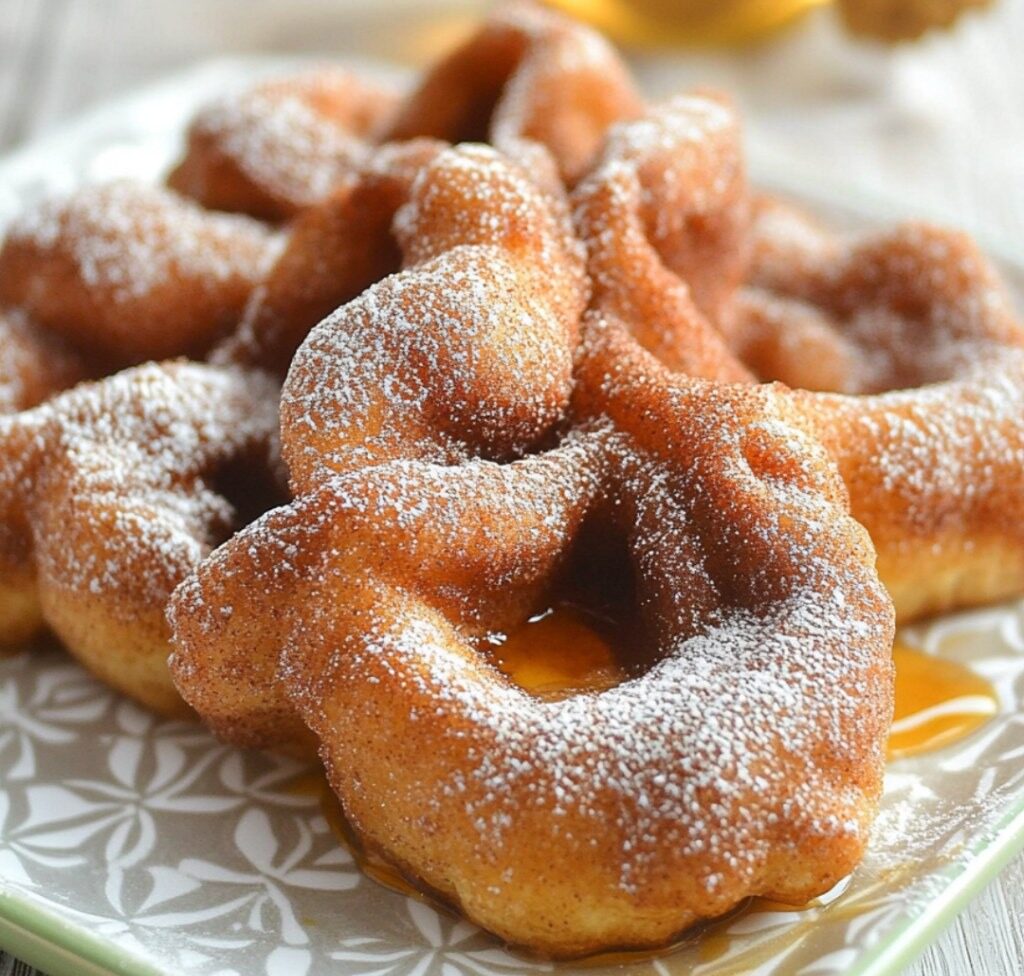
x=138, y=846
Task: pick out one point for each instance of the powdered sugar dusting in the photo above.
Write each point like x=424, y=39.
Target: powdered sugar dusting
x=293, y=139
x=664, y=214
x=33, y=365
x=129, y=239
x=131, y=458
x=543, y=90
x=754, y=743
x=913, y=305
x=695, y=756
x=916, y=322
x=472, y=342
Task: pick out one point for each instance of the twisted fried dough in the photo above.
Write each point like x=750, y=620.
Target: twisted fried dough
x=470, y=345
x=467, y=351
x=286, y=144
x=124, y=272
x=914, y=330
x=911, y=324
x=110, y=494
x=528, y=78
x=334, y=251
x=665, y=216
x=746, y=760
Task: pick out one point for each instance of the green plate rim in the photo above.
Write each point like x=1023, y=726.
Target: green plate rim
x=58, y=946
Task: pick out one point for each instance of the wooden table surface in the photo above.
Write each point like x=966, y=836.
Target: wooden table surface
x=60, y=56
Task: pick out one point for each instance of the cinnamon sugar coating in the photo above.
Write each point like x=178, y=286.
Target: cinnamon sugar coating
x=539, y=86
x=467, y=350
x=496, y=398
x=284, y=145
x=110, y=494
x=333, y=252
x=33, y=364
x=447, y=469
x=123, y=272
x=105, y=494
x=665, y=216
x=913, y=331
x=909, y=329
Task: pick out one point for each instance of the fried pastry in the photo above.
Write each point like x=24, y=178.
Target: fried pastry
x=334, y=251
x=284, y=145
x=110, y=494
x=913, y=332
x=124, y=272
x=468, y=350
x=665, y=216
x=511, y=372
x=33, y=364
x=529, y=78
x=911, y=325
x=95, y=520
x=444, y=480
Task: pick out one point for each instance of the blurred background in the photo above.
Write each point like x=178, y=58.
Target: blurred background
x=937, y=121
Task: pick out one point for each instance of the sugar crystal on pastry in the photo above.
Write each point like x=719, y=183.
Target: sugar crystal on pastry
x=126, y=272
x=283, y=145
x=915, y=332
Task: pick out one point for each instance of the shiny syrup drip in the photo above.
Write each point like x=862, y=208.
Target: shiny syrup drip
x=938, y=702
x=562, y=651
x=568, y=649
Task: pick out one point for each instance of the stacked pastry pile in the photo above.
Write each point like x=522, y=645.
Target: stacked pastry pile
x=522, y=321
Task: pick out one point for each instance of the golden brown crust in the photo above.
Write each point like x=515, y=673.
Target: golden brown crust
x=600, y=820
x=124, y=272
x=89, y=546
x=33, y=364
x=914, y=327
x=468, y=349
x=470, y=344
x=286, y=144
x=110, y=494
x=664, y=214
x=334, y=251
x=528, y=78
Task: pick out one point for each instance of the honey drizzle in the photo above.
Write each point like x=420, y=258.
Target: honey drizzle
x=557, y=653
x=567, y=650
x=938, y=702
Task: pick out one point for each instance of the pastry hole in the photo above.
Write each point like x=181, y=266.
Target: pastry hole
x=875, y=349
x=249, y=484
x=491, y=71
x=585, y=636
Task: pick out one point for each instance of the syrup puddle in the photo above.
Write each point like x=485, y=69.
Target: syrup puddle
x=938, y=702
x=567, y=649
x=562, y=651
